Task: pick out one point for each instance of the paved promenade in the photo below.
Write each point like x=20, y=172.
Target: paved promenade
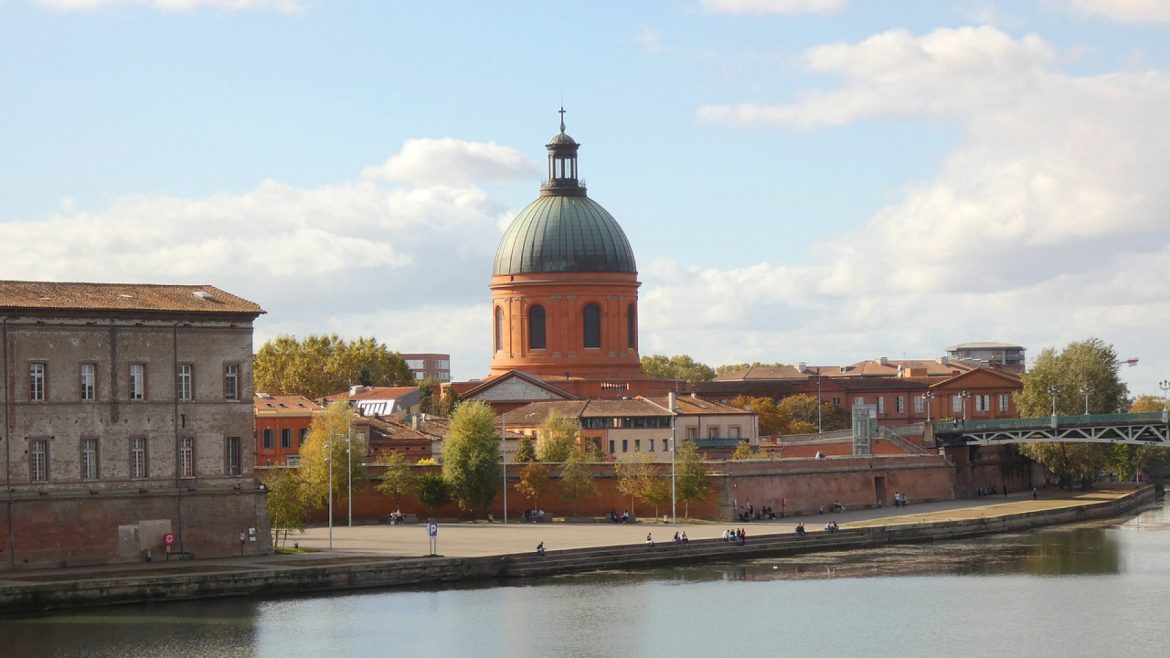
x=481, y=539
x=478, y=539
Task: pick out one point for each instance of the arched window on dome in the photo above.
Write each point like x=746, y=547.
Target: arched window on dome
x=591, y=316
x=631, y=326
x=536, y=331
x=499, y=328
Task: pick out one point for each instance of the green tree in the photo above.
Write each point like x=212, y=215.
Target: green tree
x=1083, y=370
x=1146, y=404
x=557, y=438
x=287, y=509
x=690, y=476
x=577, y=479
x=772, y=420
x=1129, y=461
x=733, y=367
x=743, y=451
x=325, y=449
x=525, y=451
x=321, y=365
x=535, y=482
x=398, y=478
x=432, y=491
x=426, y=396
x=471, y=456
x=680, y=366
x=448, y=402
x=636, y=475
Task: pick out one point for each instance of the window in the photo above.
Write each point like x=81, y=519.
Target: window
x=637, y=445
x=651, y=442
x=957, y=404
x=982, y=403
x=692, y=433
x=631, y=326
x=36, y=381
x=858, y=401
x=415, y=364
x=38, y=460
x=591, y=319
x=138, y=458
x=625, y=445
x=881, y=404
x=919, y=404
x=837, y=401
x=286, y=438
x=137, y=381
x=612, y=446
x=187, y=457
x=900, y=404
x=304, y=435
x=233, y=456
x=88, y=381
x=443, y=364
x=665, y=445
x=499, y=328
x=1005, y=402
x=183, y=381
x=231, y=381
x=733, y=432
x=89, y=459
x=712, y=432
x=536, y=338
x=269, y=440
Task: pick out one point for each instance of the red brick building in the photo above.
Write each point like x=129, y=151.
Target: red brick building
x=282, y=424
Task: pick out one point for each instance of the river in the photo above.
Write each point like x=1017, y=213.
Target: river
x=1088, y=590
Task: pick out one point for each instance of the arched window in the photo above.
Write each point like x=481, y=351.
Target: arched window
x=499, y=328
x=536, y=333
x=631, y=326
x=591, y=316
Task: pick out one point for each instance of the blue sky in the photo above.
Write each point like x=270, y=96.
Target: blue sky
x=802, y=180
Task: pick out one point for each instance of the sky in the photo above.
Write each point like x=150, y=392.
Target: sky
x=819, y=181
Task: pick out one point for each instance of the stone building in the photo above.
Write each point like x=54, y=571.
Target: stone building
x=126, y=420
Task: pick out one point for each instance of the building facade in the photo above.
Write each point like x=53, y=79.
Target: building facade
x=126, y=420
x=282, y=425
x=436, y=367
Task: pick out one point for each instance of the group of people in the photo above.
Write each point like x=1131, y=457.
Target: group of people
x=396, y=517
x=736, y=535
x=533, y=515
x=989, y=491
x=832, y=526
x=800, y=529
x=838, y=507
x=624, y=517
x=681, y=538
x=899, y=499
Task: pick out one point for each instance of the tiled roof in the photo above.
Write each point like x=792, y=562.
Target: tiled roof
x=274, y=404
x=763, y=372
x=49, y=295
x=687, y=405
x=375, y=393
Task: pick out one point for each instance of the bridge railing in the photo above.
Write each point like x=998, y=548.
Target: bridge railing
x=951, y=427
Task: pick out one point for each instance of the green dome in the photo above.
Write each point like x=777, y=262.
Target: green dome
x=564, y=233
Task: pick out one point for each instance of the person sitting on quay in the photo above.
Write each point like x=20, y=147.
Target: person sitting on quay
x=838, y=507
x=800, y=529
x=540, y=548
x=625, y=516
x=677, y=538
x=684, y=537
x=649, y=540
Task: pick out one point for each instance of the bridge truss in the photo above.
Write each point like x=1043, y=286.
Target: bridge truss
x=1134, y=429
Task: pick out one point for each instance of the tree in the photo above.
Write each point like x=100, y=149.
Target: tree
x=448, y=402
x=426, y=396
x=1129, y=461
x=557, y=438
x=432, y=491
x=680, y=366
x=535, y=482
x=743, y=451
x=638, y=478
x=471, y=456
x=397, y=479
x=733, y=367
x=771, y=419
x=320, y=365
x=1146, y=404
x=690, y=476
x=287, y=509
x=525, y=452
x=576, y=479
x=1083, y=370
x=325, y=449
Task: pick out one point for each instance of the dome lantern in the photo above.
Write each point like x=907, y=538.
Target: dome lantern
x=562, y=165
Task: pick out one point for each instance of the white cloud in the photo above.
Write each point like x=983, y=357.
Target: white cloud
x=1125, y=11
x=771, y=6
x=1046, y=224
x=347, y=257
x=452, y=162
x=175, y=5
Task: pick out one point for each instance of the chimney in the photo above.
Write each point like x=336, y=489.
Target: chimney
x=801, y=366
x=414, y=422
x=944, y=360
x=670, y=401
x=883, y=361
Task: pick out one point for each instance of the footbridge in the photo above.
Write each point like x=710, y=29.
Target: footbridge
x=1135, y=429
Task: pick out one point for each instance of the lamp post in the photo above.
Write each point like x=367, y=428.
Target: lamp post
x=348, y=474
x=673, y=451
x=329, y=467
x=1165, y=386
x=1053, y=391
x=964, y=395
x=1085, y=390
x=820, y=403
x=928, y=397
x=504, y=459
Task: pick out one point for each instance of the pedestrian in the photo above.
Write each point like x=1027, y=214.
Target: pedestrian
x=1033, y=493
x=684, y=537
x=649, y=540
x=540, y=548
x=783, y=505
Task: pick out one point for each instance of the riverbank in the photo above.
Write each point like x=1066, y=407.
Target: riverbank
x=389, y=557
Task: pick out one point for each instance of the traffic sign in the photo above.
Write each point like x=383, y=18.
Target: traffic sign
x=168, y=538
x=433, y=529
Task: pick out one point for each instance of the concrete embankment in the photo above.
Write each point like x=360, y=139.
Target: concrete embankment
x=309, y=574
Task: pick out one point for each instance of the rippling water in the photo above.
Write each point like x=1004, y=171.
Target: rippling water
x=1088, y=590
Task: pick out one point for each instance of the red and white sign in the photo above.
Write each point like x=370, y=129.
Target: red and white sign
x=168, y=538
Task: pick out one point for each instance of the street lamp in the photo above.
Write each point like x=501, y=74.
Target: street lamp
x=928, y=397
x=964, y=395
x=1085, y=390
x=329, y=467
x=1053, y=390
x=1165, y=386
x=673, y=450
x=348, y=474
